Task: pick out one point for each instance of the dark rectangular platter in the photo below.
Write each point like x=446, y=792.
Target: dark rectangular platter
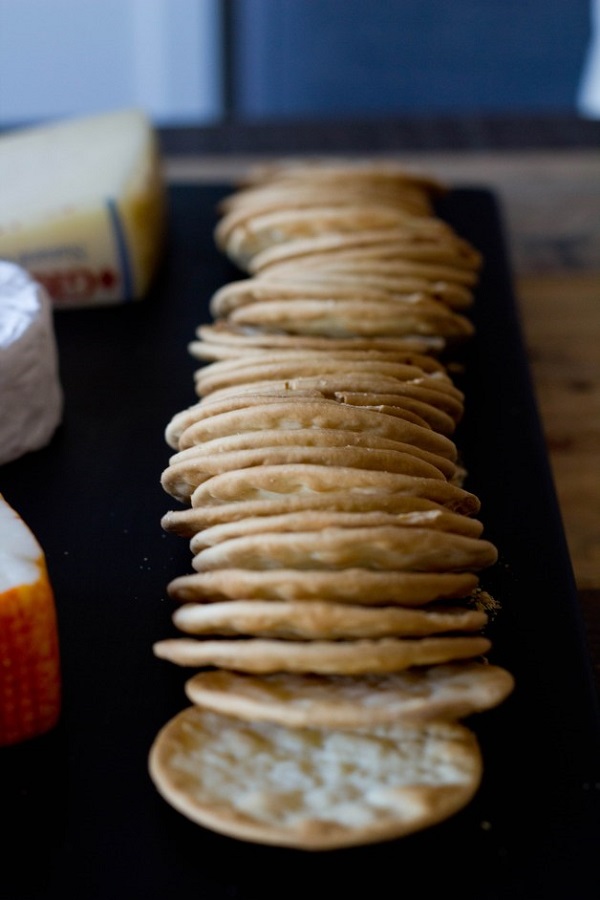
x=82, y=815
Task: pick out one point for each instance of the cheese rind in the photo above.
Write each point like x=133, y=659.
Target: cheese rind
x=31, y=397
x=30, y=683
x=19, y=550
x=84, y=208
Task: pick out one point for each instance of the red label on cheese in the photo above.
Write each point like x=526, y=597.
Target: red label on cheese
x=77, y=285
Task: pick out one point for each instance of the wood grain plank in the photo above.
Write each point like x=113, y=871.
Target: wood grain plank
x=561, y=323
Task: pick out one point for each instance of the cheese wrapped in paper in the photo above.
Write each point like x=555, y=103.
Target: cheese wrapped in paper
x=83, y=206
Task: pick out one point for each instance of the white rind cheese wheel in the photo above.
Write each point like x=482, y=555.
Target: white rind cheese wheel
x=84, y=206
x=31, y=397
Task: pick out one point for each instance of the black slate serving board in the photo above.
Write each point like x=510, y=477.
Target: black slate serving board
x=82, y=816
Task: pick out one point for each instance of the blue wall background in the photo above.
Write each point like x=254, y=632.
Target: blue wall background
x=355, y=58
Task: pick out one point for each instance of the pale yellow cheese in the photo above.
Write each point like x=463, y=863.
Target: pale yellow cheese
x=83, y=206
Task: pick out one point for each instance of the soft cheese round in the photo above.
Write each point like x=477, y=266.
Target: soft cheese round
x=31, y=397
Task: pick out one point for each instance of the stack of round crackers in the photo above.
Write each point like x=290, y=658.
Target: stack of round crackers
x=332, y=619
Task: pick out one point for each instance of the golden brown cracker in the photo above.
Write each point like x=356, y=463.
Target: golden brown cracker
x=341, y=789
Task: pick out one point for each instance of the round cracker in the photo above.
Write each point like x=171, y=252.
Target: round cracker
x=208, y=351
x=262, y=482
x=385, y=547
x=187, y=522
x=242, y=240
x=412, y=401
x=448, y=249
x=340, y=789
x=449, y=691
x=180, y=479
x=272, y=215
x=236, y=294
x=455, y=295
x=427, y=362
x=321, y=620
x=310, y=437
x=358, y=657
x=351, y=265
x=248, y=412
x=278, y=190
x=317, y=520
x=224, y=333
x=353, y=586
x=350, y=318
x=365, y=353
x=400, y=406
x=244, y=205
x=227, y=373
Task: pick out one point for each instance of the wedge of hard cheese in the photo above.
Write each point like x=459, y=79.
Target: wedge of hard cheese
x=83, y=206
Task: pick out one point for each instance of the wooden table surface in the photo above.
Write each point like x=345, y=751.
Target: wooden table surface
x=550, y=200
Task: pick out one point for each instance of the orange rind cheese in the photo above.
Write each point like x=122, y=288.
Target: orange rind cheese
x=30, y=677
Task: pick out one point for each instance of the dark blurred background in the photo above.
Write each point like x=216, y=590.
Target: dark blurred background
x=204, y=62
x=309, y=58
